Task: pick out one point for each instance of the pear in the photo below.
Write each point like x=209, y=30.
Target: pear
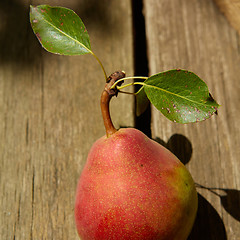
x=132, y=188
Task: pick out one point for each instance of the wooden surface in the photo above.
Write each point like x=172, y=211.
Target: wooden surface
x=50, y=115
x=194, y=35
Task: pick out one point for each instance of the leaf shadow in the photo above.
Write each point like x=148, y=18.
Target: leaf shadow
x=180, y=146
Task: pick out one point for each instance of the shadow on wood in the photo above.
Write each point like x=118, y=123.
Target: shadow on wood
x=179, y=145
x=208, y=224
x=94, y=15
x=17, y=41
x=230, y=199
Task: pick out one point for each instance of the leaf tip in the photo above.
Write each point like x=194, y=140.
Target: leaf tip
x=32, y=8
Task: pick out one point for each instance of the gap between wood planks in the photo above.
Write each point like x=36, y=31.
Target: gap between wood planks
x=143, y=122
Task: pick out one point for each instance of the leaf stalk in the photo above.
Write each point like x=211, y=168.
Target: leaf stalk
x=106, y=96
x=100, y=63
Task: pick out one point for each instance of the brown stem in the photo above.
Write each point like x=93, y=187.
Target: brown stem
x=106, y=96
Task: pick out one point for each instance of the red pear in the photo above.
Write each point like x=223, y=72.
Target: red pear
x=132, y=188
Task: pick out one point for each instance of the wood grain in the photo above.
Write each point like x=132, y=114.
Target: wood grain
x=50, y=114
x=194, y=35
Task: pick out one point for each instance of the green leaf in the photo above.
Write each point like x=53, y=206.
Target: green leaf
x=59, y=30
x=142, y=101
x=180, y=95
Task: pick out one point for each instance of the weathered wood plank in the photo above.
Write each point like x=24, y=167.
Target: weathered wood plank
x=194, y=35
x=50, y=114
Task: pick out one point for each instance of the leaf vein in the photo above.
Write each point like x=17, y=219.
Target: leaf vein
x=174, y=94
x=75, y=40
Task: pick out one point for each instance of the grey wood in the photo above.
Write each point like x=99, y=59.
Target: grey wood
x=50, y=114
x=194, y=35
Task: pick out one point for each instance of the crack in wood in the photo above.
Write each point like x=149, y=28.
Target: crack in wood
x=141, y=60
x=27, y=131
x=33, y=195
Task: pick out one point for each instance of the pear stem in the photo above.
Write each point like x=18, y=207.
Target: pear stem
x=106, y=96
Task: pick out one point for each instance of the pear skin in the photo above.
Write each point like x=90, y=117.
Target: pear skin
x=132, y=188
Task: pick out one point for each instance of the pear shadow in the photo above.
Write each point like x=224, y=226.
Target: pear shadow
x=208, y=224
